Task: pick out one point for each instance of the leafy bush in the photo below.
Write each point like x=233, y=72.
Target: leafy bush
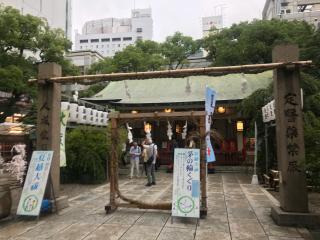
x=87, y=152
x=86, y=155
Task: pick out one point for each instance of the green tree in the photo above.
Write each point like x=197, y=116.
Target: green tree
x=177, y=49
x=104, y=66
x=22, y=36
x=250, y=43
x=143, y=56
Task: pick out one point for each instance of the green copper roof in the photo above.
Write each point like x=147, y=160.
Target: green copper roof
x=190, y=89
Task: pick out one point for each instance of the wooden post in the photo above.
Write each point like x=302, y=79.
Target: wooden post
x=289, y=130
x=48, y=119
x=203, y=168
x=113, y=166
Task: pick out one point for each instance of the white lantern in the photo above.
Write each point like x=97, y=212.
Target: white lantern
x=65, y=106
x=82, y=115
x=94, y=117
x=88, y=115
x=73, y=112
x=105, y=119
x=98, y=118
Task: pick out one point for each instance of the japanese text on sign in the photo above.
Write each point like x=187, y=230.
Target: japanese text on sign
x=35, y=184
x=186, y=183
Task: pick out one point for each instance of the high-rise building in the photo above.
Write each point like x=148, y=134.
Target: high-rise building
x=307, y=10
x=211, y=24
x=56, y=12
x=110, y=35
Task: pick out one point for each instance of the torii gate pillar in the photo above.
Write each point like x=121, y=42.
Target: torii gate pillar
x=48, y=118
x=290, y=141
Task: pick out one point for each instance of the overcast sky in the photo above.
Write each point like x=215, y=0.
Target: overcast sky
x=169, y=16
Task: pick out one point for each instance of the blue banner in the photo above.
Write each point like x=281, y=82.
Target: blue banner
x=209, y=107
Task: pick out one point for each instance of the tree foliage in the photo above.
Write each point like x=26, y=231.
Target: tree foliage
x=250, y=43
x=26, y=41
x=178, y=48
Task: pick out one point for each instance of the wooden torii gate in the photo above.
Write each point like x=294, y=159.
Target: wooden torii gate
x=197, y=117
x=291, y=156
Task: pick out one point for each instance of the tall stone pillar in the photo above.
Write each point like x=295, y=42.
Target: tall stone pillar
x=289, y=131
x=48, y=118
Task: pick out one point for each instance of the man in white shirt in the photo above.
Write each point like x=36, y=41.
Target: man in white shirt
x=135, y=152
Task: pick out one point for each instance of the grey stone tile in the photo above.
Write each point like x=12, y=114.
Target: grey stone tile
x=17, y=228
x=45, y=230
x=281, y=231
x=108, y=232
x=176, y=234
x=214, y=224
x=153, y=219
x=142, y=232
x=246, y=229
x=209, y=234
x=75, y=231
x=179, y=222
x=241, y=213
x=125, y=217
x=283, y=238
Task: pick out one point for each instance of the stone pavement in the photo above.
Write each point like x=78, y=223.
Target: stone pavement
x=237, y=210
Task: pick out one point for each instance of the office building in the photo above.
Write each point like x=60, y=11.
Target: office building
x=56, y=12
x=307, y=10
x=110, y=35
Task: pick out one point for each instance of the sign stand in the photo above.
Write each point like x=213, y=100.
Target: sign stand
x=35, y=184
x=186, y=184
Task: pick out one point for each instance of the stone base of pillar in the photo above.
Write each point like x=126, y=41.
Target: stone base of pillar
x=61, y=203
x=295, y=219
x=203, y=213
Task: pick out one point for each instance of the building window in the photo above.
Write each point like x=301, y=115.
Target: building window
x=116, y=39
x=139, y=38
x=84, y=41
x=80, y=47
x=127, y=39
x=105, y=40
x=139, y=30
x=119, y=45
x=97, y=46
x=288, y=11
x=94, y=40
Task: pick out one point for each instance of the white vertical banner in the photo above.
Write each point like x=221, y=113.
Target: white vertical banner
x=35, y=184
x=209, y=107
x=186, y=183
x=64, y=115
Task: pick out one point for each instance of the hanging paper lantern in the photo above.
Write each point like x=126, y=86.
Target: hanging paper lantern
x=82, y=115
x=73, y=112
x=101, y=118
x=130, y=136
x=88, y=115
x=94, y=117
x=147, y=129
x=98, y=120
x=169, y=131
x=105, y=119
x=184, y=132
x=65, y=106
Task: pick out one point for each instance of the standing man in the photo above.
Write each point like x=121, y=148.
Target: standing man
x=135, y=152
x=152, y=152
